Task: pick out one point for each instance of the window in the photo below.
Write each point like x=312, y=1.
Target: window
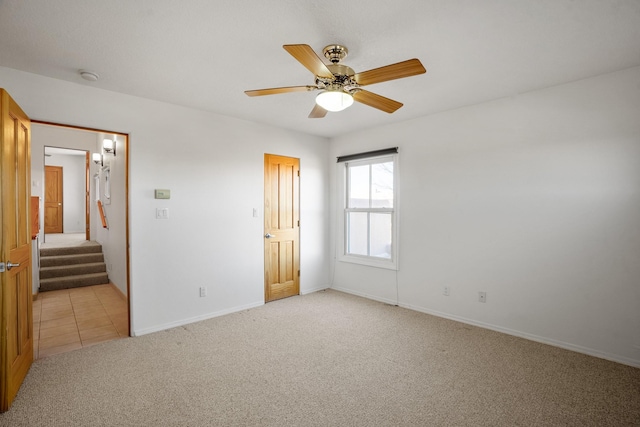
x=369, y=217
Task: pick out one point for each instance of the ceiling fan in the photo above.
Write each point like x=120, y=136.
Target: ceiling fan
x=339, y=84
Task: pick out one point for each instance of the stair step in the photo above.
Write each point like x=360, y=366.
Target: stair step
x=72, y=270
x=77, y=281
x=51, y=261
x=72, y=250
x=72, y=266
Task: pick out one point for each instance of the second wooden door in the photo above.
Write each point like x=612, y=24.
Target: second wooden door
x=281, y=226
x=53, y=199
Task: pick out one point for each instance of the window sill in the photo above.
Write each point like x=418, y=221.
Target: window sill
x=387, y=264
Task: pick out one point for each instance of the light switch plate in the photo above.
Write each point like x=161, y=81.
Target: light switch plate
x=162, y=213
x=162, y=194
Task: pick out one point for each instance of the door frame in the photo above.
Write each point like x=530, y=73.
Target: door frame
x=127, y=141
x=87, y=187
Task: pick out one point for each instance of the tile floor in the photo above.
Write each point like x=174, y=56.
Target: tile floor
x=70, y=319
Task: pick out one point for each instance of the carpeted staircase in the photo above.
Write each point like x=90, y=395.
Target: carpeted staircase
x=72, y=267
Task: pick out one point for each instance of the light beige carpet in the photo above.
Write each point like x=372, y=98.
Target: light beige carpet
x=326, y=359
x=61, y=240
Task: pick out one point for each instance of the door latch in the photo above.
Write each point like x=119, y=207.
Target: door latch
x=8, y=266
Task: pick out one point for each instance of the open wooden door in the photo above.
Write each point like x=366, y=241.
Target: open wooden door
x=53, y=199
x=281, y=226
x=16, y=334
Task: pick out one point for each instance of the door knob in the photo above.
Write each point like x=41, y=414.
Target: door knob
x=10, y=265
x=59, y=204
x=269, y=235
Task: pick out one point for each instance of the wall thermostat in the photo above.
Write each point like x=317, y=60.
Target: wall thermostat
x=163, y=194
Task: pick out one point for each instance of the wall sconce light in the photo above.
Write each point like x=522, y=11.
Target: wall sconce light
x=109, y=146
x=97, y=159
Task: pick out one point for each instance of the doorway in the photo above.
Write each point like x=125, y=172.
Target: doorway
x=83, y=177
x=66, y=192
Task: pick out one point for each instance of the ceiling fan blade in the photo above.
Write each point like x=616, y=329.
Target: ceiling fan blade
x=277, y=90
x=307, y=57
x=376, y=101
x=399, y=70
x=318, y=112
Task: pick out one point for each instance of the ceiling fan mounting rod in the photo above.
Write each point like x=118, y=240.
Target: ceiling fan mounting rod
x=335, y=53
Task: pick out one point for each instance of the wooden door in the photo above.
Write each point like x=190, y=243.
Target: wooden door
x=53, y=199
x=281, y=227
x=16, y=334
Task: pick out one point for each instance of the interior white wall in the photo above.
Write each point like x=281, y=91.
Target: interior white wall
x=73, y=190
x=534, y=199
x=113, y=238
x=213, y=166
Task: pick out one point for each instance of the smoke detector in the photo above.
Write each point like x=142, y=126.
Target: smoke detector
x=91, y=76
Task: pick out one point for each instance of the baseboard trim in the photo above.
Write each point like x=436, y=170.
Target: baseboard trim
x=532, y=337
x=178, y=323
x=183, y=322
x=364, y=295
x=312, y=290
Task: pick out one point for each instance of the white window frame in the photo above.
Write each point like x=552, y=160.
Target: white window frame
x=343, y=256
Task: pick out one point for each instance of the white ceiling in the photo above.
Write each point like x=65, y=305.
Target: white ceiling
x=204, y=54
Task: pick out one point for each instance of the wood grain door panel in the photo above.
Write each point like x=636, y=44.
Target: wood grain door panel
x=16, y=334
x=282, y=252
x=53, y=206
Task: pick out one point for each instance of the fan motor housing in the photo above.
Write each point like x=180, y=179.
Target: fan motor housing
x=341, y=70
x=343, y=78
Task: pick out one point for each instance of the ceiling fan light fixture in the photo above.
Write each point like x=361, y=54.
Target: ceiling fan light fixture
x=334, y=100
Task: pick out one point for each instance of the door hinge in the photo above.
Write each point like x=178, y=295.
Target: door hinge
x=2, y=268
x=298, y=223
x=298, y=273
x=298, y=173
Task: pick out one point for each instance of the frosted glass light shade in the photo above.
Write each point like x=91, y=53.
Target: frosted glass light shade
x=334, y=100
x=96, y=157
x=107, y=144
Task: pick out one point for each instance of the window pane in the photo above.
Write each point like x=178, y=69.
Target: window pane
x=358, y=187
x=382, y=185
x=357, y=238
x=381, y=235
